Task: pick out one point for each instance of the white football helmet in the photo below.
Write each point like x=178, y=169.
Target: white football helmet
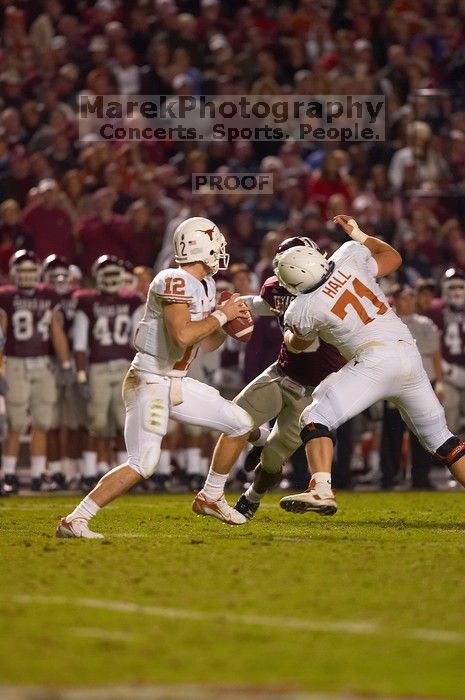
x=200, y=240
x=301, y=268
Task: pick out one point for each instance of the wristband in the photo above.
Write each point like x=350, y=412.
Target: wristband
x=357, y=234
x=220, y=317
x=81, y=376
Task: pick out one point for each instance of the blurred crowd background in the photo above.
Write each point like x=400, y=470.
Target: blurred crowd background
x=82, y=199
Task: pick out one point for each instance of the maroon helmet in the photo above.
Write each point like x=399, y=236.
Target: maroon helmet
x=129, y=278
x=25, y=268
x=453, y=287
x=56, y=273
x=295, y=241
x=108, y=273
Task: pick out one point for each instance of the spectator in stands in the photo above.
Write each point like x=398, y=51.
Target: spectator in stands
x=12, y=233
x=48, y=225
x=147, y=239
x=103, y=232
x=327, y=183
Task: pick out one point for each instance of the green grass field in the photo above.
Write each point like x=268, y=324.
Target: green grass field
x=369, y=602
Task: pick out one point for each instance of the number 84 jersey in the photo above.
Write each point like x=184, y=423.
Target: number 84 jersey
x=28, y=314
x=104, y=324
x=350, y=309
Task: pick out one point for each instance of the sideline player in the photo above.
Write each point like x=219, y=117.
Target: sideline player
x=340, y=301
x=64, y=440
x=449, y=317
x=281, y=391
x=179, y=316
x=31, y=323
x=104, y=324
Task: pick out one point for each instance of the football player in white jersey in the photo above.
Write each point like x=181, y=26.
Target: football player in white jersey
x=340, y=301
x=180, y=316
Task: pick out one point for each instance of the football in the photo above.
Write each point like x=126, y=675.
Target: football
x=240, y=328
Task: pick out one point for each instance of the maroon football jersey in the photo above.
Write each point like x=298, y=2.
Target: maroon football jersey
x=29, y=313
x=111, y=323
x=307, y=368
x=451, y=323
x=68, y=302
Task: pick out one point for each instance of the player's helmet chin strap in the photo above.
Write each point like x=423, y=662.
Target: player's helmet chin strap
x=323, y=279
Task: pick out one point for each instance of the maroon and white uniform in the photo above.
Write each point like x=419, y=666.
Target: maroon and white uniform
x=285, y=388
x=104, y=326
x=451, y=323
x=28, y=351
x=70, y=409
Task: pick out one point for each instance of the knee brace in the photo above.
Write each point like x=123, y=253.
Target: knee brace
x=451, y=450
x=316, y=430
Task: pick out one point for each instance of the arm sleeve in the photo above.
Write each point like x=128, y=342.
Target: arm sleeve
x=80, y=332
x=257, y=305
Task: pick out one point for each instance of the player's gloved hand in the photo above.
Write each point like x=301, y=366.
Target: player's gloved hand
x=350, y=226
x=65, y=375
x=3, y=385
x=82, y=386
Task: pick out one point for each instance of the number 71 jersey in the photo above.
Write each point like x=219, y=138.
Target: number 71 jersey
x=29, y=315
x=350, y=309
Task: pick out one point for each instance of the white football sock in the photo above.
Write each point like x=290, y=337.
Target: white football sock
x=103, y=467
x=253, y=496
x=193, y=455
x=204, y=464
x=264, y=433
x=9, y=465
x=214, y=485
x=89, y=464
x=38, y=465
x=55, y=466
x=322, y=484
x=164, y=463
x=86, y=509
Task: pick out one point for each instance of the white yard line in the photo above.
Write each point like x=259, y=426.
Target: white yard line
x=363, y=627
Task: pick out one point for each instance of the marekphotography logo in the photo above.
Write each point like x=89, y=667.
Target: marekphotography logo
x=233, y=183
x=338, y=118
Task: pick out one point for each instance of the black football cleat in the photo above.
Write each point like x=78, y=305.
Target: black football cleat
x=11, y=484
x=246, y=508
x=60, y=481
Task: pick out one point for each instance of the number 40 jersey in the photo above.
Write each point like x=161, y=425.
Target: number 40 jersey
x=104, y=324
x=350, y=309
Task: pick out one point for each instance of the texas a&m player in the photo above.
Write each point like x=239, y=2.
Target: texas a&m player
x=103, y=329
x=180, y=315
x=32, y=326
x=282, y=391
x=65, y=439
x=340, y=301
x=449, y=317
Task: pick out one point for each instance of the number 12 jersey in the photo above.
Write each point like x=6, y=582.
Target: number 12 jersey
x=157, y=351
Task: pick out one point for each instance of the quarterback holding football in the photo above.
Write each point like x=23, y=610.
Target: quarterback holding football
x=180, y=316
